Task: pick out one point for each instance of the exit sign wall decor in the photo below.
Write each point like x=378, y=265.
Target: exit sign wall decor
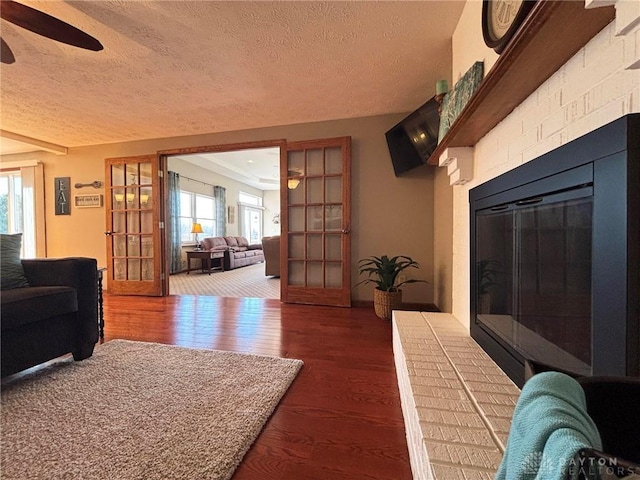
x=62, y=192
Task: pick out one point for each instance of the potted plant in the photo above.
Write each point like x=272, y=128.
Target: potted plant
x=384, y=272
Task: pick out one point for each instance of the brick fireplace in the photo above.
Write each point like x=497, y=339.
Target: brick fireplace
x=592, y=89
x=436, y=357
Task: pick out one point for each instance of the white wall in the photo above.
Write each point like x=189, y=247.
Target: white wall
x=590, y=90
x=271, y=203
x=467, y=42
x=202, y=181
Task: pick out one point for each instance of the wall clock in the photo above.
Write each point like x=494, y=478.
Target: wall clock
x=501, y=19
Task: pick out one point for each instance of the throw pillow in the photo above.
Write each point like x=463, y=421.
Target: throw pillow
x=242, y=241
x=231, y=241
x=11, y=271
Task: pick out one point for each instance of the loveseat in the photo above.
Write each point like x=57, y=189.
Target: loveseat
x=237, y=251
x=52, y=313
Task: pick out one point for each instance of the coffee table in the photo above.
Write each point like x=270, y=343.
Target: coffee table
x=210, y=259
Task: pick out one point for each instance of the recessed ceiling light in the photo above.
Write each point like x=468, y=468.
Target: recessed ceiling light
x=249, y=161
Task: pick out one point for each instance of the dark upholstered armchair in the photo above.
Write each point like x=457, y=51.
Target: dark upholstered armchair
x=271, y=249
x=55, y=315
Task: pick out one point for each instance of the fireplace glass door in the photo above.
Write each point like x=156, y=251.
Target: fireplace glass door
x=533, y=277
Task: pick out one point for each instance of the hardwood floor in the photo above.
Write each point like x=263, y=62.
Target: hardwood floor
x=341, y=418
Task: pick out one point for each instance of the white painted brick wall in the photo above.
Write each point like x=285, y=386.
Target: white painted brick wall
x=627, y=15
x=632, y=50
x=592, y=89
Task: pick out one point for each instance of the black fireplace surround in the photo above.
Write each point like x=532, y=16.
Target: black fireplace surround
x=554, y=265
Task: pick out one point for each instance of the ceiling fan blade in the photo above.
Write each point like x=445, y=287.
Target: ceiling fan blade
x=46, y=25
x=6, y=55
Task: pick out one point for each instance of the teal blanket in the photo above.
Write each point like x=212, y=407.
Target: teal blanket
x=550, y=424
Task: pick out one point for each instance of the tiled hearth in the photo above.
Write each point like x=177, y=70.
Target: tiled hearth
x=457, y=403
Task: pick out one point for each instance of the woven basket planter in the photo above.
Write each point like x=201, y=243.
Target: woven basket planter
x=385, y=302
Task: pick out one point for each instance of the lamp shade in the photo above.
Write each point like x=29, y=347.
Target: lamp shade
x=196, y=228
x=293, y=179
x=292, y=183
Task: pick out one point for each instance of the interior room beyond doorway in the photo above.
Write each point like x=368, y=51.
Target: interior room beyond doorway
x=248, y=208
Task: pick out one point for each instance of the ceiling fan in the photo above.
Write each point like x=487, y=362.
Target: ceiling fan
x=42, y=24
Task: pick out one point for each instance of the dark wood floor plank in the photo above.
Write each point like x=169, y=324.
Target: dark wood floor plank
x=341, y=418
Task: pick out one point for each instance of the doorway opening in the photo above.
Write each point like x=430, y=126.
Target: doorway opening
x=229, y=199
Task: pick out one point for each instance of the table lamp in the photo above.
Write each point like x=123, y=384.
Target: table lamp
x=196, y=228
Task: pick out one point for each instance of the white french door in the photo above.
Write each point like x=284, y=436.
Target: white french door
x=250, y=223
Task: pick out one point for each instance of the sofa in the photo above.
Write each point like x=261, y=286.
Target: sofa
x=237, y=251
x=271, y=248
x=52, y=311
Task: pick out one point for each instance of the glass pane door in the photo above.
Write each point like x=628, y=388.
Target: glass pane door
x=316, y=188
x=133, y=234
x=251, y=227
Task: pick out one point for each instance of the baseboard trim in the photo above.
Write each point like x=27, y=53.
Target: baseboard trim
x=406, y=307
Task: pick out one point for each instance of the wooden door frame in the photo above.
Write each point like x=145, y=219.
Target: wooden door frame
x=164, y=155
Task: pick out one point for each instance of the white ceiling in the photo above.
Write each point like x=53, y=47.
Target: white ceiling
x=173, y=68
x=258, y=167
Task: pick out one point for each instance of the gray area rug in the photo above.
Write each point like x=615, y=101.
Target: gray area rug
x=243, y=282
x=140, y=410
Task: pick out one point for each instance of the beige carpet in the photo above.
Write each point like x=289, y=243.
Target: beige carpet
x=244, y=282
x=140, y=410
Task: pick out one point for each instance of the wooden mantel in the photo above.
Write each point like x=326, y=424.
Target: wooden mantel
x=552, y=33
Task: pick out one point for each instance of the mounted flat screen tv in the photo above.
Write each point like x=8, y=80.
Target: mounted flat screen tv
x=412, y=141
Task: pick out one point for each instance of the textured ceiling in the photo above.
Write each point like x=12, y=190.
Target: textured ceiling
x=172, y=68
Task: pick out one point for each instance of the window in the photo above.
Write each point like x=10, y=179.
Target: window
x=22, y=205
x=249, y=199
x=196, y=208
x=10, y=202
x=250, y=208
